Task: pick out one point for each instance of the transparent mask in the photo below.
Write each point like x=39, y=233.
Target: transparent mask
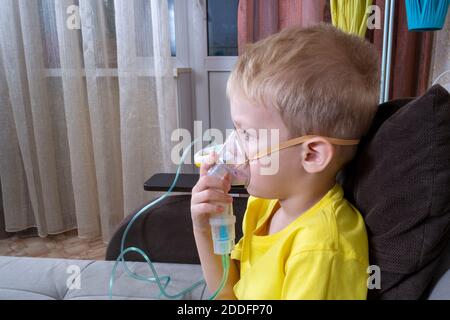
x=233, y=157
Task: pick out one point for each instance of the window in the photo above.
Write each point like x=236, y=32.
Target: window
x=173, y=45
x=222, y=27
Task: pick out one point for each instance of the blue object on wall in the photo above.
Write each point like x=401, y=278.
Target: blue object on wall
x=426, y=15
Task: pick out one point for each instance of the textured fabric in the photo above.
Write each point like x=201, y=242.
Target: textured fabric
x=399, y=181
x=323, y=254
x=86, y=114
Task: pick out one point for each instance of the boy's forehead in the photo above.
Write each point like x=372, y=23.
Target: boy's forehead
x=245, y=113
x=248, y=114
x=237, y=112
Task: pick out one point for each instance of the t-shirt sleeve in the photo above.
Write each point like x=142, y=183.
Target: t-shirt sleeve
x=324, y=275
x=237, y=250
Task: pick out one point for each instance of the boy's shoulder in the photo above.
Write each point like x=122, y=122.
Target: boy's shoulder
x=338, y=227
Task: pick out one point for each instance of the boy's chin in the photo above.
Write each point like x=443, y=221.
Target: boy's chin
x=258, y=193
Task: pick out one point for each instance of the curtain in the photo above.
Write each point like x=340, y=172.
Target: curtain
x=411, y=55
x=350, y=15
x=3, y=233
x=258, y=19
x=86, y=113
x=441, y=56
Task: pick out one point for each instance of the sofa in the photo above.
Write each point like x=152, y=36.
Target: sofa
x=60, y=279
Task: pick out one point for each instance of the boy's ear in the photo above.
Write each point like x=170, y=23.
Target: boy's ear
x=317, y=154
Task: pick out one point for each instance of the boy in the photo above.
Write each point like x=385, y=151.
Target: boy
x=301, y=238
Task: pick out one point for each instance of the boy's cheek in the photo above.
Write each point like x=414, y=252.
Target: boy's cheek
x=267, y=186
x=272, y=177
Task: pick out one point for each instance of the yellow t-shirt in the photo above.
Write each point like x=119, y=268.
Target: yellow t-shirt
x=323, y=254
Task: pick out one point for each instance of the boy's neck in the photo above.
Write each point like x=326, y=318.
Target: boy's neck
x=299, y=202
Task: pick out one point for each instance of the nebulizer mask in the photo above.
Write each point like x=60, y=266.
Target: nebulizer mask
x=231, y=158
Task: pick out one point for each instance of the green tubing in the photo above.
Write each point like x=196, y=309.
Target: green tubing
x=162, y=281
x=158, y=280
x=223, y=282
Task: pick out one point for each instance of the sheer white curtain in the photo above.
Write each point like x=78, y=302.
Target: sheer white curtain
x=85, y=114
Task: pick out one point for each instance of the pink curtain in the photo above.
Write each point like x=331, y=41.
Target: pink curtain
x=258, y=19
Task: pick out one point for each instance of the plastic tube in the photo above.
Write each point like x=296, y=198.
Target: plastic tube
x=157, y=279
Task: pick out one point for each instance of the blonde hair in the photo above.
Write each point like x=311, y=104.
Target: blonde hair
x=322, y=80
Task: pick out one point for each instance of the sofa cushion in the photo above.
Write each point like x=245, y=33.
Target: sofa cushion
x=400, y=182
x=46, y=279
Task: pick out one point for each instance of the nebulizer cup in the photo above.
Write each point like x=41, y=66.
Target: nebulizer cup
x=231, y=159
